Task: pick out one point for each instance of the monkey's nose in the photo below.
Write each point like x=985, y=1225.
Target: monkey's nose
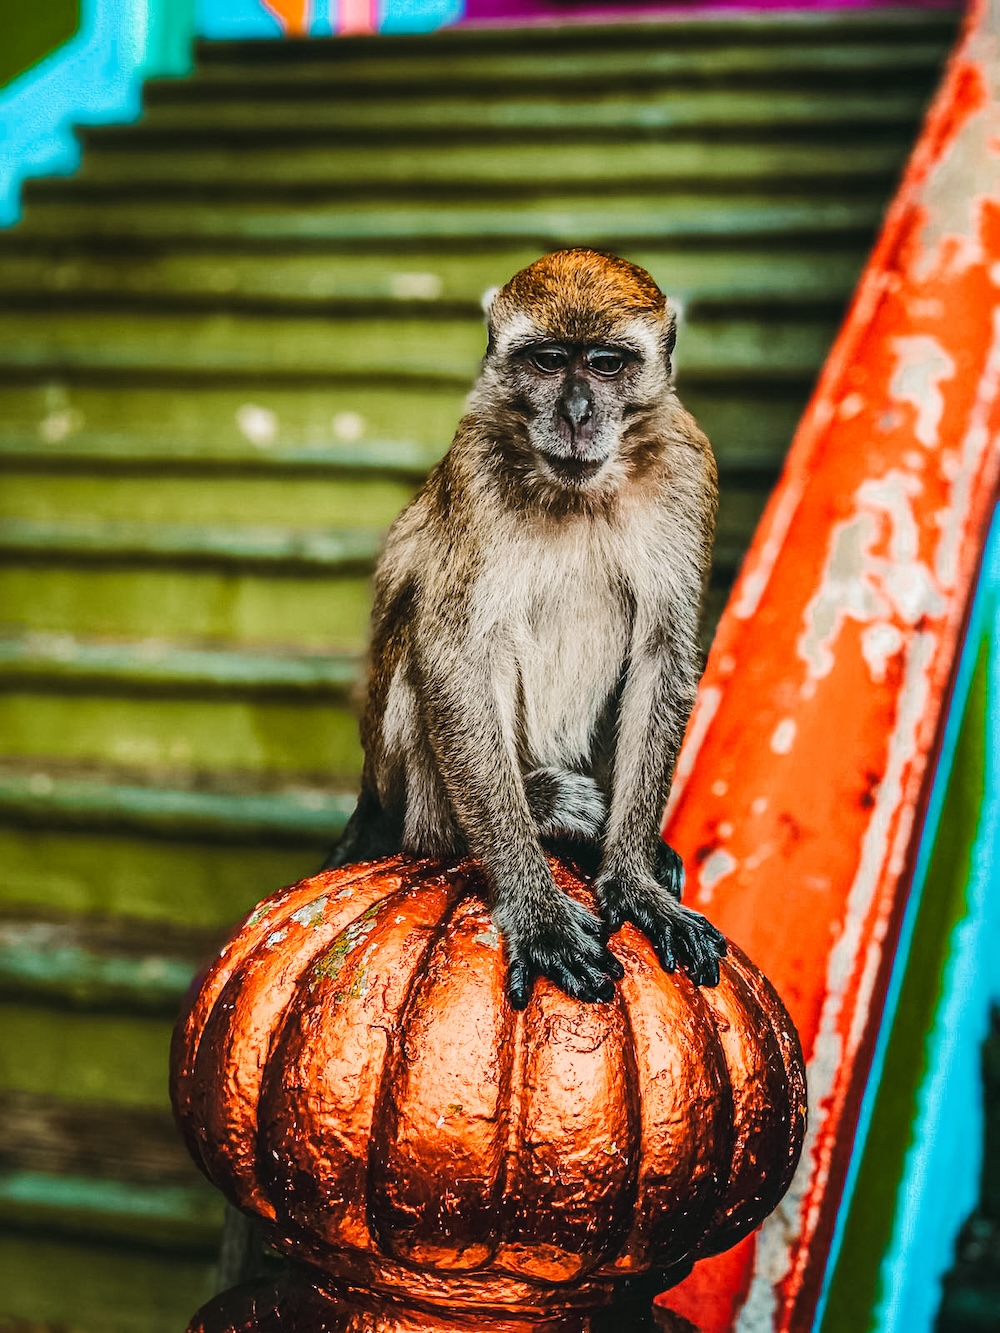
x=576, y=403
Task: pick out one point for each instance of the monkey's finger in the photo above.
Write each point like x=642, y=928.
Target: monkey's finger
x=613, y=966
x=613, y=919
x=519, y=984
x=664, y=945
x=590, y=987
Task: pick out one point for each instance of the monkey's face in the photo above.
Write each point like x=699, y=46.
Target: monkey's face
x=576, y=374
x=579, y=400
x=576, y=400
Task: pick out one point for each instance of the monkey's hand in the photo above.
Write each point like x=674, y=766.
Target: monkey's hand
x=559, y=939
x=681, y=938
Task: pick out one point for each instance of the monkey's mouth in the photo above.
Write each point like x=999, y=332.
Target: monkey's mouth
x=573, y=471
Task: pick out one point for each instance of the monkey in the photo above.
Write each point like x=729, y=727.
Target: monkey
x=534, y=647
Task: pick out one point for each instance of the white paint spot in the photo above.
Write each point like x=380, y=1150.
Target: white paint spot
x=756, y=859
x=977, y=439
x=311, y=914
x=784, y=736
x=862, y=586
x=59, y=425
x=852, y=406
x=921, y=365
x=879, y=643
x=725, y=829
x=415, y=286
x=914, y=460
x=758, y=805
x=276, y=937
x=257, y=424
x=716, y=866
x=719, y=787
x=349, y=426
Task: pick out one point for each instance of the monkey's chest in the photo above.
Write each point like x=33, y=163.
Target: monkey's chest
x=569, y=646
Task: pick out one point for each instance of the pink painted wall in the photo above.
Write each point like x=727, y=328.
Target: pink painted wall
x=548, y=11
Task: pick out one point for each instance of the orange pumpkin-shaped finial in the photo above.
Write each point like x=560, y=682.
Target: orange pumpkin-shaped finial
x=352, y=1073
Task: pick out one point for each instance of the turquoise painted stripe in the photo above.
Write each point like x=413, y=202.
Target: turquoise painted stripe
x=940, y=1182
x=930, y=1210
x=185, y=1208
x=93, y=78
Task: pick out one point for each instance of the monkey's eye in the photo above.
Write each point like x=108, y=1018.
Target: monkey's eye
x=605, y=361
x=549, y=359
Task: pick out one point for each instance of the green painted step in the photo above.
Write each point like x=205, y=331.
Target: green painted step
x=296, y=815
x=98, y=1289
x=98, y=965
x=172, y=861
x=256, y=427
x=545, y=220
x=734, y=166
x=174, y=1216
x=157, y=665
x=183, y=737
x=119, y=542
x=445, y=351
x=492, y=109
x=57, y=433
x=713, y=272
x=62, y=596
x=651, y=56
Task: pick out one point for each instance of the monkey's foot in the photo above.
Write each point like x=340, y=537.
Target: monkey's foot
x=681, y=938
x=567, y=946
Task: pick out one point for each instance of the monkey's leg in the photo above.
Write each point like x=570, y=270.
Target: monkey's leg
x=370, y=834
x=545, y=931
x=654, y=708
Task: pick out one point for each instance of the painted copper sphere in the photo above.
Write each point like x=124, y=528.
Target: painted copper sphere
x=352, y=1073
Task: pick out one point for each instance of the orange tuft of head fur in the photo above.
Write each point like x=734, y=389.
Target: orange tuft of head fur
x=580, y=294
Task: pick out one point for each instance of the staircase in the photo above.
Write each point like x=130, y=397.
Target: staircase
x=229, y=349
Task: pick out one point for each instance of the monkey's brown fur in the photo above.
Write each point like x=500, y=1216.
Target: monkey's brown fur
x=534, y=649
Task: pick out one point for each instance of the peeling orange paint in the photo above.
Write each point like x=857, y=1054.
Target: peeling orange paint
x=813, y=740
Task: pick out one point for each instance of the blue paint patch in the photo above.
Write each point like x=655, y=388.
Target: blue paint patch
x=94, y=78
x=408, y=16
x=236, y=18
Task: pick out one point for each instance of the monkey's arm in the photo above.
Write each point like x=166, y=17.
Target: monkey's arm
x=472, y=741
x=655, y=705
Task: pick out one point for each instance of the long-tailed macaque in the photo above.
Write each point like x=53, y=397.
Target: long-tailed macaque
x=534, y=649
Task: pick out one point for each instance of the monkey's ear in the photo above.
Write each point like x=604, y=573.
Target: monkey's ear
x=669, y=331
x=487, y=299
